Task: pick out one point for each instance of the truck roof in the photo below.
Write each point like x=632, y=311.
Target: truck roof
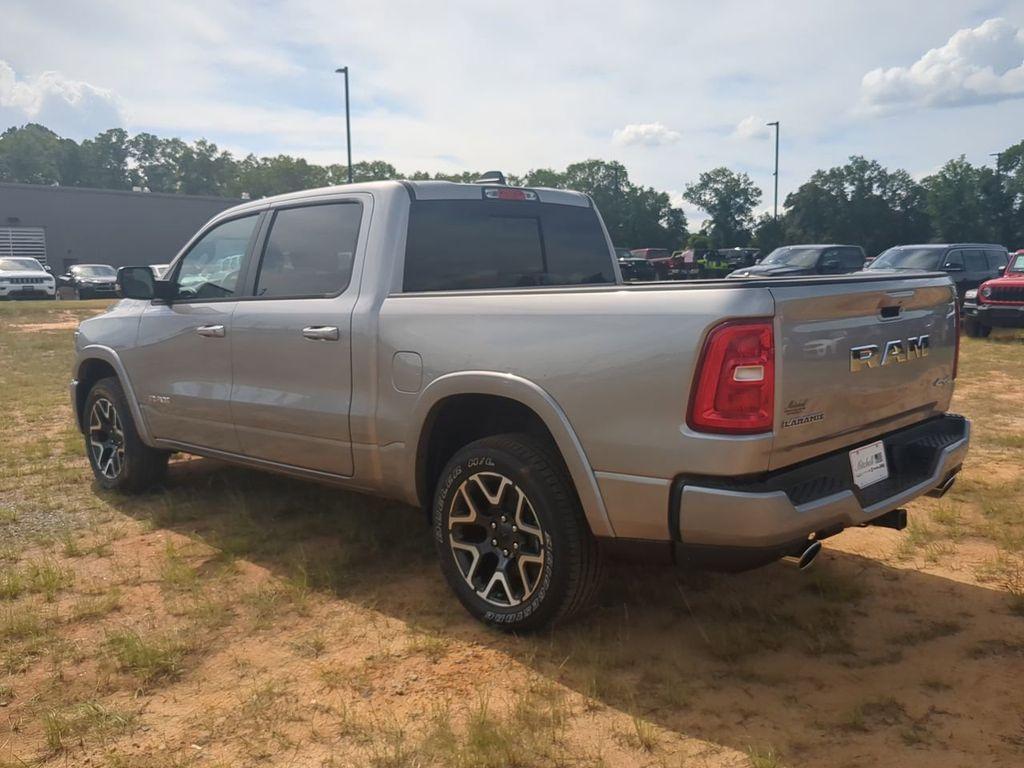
x=417, y=190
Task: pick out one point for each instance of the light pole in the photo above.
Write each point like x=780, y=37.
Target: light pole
x=348, y=125
x=776, y=174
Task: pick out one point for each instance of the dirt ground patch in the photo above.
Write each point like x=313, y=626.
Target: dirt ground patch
x=241, y=619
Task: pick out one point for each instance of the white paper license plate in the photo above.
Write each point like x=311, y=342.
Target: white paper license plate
x=868, y=464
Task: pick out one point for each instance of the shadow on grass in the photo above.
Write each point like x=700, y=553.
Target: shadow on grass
x=853, y=655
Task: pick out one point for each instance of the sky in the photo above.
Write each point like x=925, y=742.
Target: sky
x=670, y=89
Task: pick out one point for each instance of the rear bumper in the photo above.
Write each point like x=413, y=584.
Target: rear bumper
x=996, y=315
x=778, y=511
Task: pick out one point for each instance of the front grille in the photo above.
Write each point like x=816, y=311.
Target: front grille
x=26, y=280
x=1006, y=293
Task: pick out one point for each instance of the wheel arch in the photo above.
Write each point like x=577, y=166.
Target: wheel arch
x=97, y=362
x=489, y=403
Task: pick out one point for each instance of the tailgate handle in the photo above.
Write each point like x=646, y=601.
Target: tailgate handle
x=888, y=313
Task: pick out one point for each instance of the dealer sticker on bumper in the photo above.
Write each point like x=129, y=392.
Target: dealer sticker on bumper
x=868, y=464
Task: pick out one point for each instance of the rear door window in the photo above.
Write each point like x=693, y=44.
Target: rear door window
x=851, y=259
x=480, y=244
x=309, y=251
x=975, y=261
x=996, y=259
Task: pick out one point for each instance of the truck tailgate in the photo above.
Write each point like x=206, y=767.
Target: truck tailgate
x=857, y=358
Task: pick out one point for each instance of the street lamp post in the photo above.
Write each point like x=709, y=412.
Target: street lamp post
x=348, y=125
x=776, y=174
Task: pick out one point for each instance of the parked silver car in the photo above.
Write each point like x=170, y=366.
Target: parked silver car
x=472, y=349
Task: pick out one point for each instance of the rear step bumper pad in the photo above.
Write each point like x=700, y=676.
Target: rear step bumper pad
x=777, y=508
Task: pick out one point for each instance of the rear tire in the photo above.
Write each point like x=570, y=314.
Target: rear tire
x=511, y=536
x=119, y=459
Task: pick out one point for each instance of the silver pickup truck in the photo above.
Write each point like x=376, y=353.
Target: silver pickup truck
x=472, y=350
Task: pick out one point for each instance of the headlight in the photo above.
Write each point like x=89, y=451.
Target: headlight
x=986, y=291
x=971, y=294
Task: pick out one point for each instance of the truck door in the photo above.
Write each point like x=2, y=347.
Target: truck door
x=292, y=348
x=181, y=364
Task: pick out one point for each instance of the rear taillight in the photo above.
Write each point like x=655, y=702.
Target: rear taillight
x=734, y=389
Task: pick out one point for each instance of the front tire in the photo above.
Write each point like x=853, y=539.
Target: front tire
x=976, y=330
x=511, y=536
x=118, y=457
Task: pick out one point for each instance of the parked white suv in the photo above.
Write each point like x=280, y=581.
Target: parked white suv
x=24, y=278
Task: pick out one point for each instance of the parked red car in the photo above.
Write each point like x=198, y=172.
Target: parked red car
x=997, y=303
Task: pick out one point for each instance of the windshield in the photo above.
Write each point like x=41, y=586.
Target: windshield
x=908, y=258
x=94, y=270
x=15, y=265
x=1017, y=265
x=793, y=257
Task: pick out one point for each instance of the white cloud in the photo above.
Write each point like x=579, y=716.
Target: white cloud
x=752, y=127
x=645, y=134
x=980, y=65
x=71, y=107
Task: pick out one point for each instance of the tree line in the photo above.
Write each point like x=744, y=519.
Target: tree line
x=860, y=202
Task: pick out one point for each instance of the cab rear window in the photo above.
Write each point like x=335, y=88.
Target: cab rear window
x=479, y=244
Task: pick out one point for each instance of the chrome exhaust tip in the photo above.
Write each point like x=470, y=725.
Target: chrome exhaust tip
x=808, y=556
x=804, y=560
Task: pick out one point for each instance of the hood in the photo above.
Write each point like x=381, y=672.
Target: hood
x=771, y=270
x=1010, y=278
x=24, y=273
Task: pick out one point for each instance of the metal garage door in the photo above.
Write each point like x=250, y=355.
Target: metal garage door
x=23, y=241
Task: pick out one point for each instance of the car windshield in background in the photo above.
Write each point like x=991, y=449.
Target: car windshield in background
x=479, y=244
x=94, y=270
x=1017, y=265
x=908, y=258
x=17, y=265
x=793, y=257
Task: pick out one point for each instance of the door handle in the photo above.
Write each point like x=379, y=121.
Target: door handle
x=321, y=332
x=211, y=331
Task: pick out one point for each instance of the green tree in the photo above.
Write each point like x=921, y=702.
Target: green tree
x=954, y=202
x=698, y=241
x=104, y=160
x=155, y=162
x=262, y=177
x=729, y=199
x=769, y=233
x=204, y=170
x=33, y=154
x=859, y=203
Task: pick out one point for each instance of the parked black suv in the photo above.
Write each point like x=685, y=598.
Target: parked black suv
x=806, y=260
x=968, y=264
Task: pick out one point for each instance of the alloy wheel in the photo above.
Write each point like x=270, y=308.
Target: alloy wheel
x=106, y=438
x=496, y=539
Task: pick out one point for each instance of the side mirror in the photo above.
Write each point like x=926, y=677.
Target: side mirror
x=1001, y=270
x=136, y=283
x=48, y=268
x=950, y=267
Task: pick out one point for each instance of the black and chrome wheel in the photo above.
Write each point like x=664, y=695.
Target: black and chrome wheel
x=117, y=455
x=106, y=439
x=496, y=539
x=510, y=533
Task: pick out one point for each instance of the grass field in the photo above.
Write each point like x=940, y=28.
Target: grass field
x=239, y=619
